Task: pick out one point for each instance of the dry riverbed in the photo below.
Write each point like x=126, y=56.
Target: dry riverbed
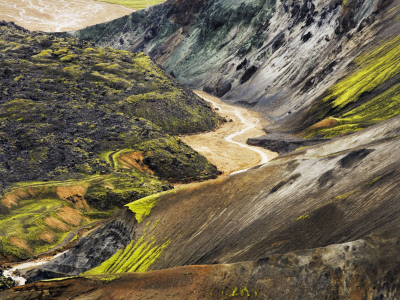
x=226, y=147
x=59, y=15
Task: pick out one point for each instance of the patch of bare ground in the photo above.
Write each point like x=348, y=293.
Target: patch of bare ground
x=70, y=215
x=56, y=223
x=73, y=194
x=134, y=160
x=16, y=241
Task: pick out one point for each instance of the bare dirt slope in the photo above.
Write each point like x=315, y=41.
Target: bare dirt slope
x=226, y=147
x=59, y=15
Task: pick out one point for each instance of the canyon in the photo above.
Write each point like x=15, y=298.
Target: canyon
x=315, y=81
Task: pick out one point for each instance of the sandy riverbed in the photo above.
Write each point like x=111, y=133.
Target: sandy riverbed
x=59, y=15
x=226, y=147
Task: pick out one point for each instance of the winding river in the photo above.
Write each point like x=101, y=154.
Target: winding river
x=226, y=147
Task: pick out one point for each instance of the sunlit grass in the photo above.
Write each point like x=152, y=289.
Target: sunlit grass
x=135, y=4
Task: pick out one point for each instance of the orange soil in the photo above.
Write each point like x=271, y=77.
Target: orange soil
x=70, y=215
x=16, y=241
x=56, y=223
x=12, y=198
x=134, y=160
x=73, y=194
x=48, y=236
x=325, y=123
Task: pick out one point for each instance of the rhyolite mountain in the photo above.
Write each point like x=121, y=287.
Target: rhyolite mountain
x=281, y=58
x=83, y=131
x=321, y=222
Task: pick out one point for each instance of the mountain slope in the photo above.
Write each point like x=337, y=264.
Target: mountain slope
x=277, y=57
x=83, y=131
x=363, y=269
x=336, y=192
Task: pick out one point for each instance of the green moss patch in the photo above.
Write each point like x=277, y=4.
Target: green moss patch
x=68, y=111
x=138, y=256
x=367, y=96
x=135, y=4
x=23, y=230
x=143, y=207
x=65, y=104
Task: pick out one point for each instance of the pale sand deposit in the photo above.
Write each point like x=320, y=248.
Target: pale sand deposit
x=59, y=15
x=226, y=147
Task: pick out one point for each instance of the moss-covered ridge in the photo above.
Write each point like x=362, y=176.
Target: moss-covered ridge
x=142, y=208
x=64, y=102
x=370, y=94
x=67, y=112
x=138, y=256
x=37, y=216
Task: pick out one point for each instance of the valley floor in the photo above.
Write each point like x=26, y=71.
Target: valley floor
x=59, y=15
x=226, y=147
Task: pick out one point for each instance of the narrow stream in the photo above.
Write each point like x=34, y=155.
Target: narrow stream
x=249, y=125
x=19, y=280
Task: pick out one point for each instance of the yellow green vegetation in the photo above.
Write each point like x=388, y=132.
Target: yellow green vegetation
x=59, y=279
x=304, y=217
x=36, y=226
x=239, y=292
x=103, y=278
x=68, y=111
x=369, y=95
x=138, y=256
x=142, y=208
x=135, y=4
x=39, y=215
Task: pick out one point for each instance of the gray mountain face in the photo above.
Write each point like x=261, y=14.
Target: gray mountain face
x=274, y=56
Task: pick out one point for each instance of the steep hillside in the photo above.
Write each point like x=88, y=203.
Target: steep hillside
x=279, y=57
x=84, y=130
x=336, y=192
x=363, y=269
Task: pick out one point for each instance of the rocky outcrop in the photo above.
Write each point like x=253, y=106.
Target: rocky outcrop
x=90, y=251
x=84, y=101
x=282, y=143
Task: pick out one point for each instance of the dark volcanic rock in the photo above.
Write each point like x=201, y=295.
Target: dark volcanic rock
x=282, y=143
x=63, y=102
x=97, y=247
